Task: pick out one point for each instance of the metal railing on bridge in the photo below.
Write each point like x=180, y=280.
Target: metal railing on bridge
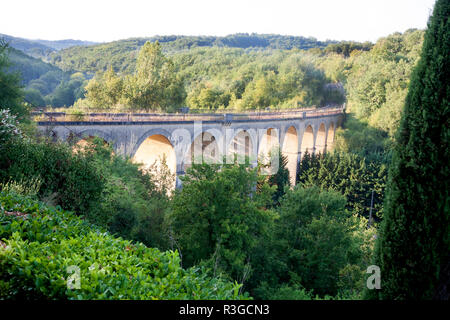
x=45, y=117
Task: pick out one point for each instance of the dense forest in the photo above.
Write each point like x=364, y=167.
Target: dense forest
x=234, y=72
x=122, y=54
x=45, y=84
x=230, y=232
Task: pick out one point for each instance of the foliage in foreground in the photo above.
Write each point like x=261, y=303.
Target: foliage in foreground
x=320, y=245
x=92, y=181
x=132, y=202
x=305, y=245
x=39, y=243
x=219, y=217
x=66, y=179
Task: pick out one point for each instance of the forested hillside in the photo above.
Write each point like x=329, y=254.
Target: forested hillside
x=41, y=48
x=238, y=71
x=213, y=78
x=53, y=85
x=29, y=68
x=121, y=55
x=235, y=72
x=45, y=84
x=375, y=78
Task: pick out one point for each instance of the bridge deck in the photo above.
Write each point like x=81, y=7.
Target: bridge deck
x=44, y=118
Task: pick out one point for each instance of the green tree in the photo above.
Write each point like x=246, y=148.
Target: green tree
x=316, y=239
x=209, y=98
x=63, y=96
x=155, y=85
x=280, y=179
x=106, y=90
x=413, y=248
x=219, y=218
x=260, y=93
x=34, y=97
x=11, y=94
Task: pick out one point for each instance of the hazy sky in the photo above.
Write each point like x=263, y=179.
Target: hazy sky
x=94, y=20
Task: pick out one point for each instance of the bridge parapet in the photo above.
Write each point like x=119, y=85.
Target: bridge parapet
x=44, y=118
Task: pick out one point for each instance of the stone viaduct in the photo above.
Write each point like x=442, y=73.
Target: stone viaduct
x=145, y=138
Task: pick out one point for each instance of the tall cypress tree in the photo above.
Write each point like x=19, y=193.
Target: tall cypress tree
x=413, y=247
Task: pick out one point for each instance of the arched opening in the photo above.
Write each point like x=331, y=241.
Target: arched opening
x=204, y=149
x=153, y=151
x=242, y=147
x=330, y=136
x=87, y=142
x=268, y=152
x=290, y=149
x=269, y=142
x=307, y=141
x=321, y=139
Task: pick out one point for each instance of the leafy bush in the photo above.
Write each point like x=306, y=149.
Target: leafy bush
x=286, y=292
x=132, y=203
x=39, y=243
x=9, y=127
x=317, y=240
x=218, y=218
x=91, y=180
x=69, y=179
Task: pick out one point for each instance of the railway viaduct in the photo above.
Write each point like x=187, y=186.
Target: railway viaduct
x=181, y=138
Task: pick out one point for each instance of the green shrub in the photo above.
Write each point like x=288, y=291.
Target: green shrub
x=318, y=238
x=39, y=243
x=286, y=292
x=70, y=179
x=25, y=186
x=9, y=127
x=218, y=217
x=132, y=203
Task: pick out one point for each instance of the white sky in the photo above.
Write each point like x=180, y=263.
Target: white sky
x=94, y=20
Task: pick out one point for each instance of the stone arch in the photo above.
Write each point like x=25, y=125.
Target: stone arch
x=153, y=149
x=321, y=139
x=268, y=141
x=90, y=133
x=307, y=140
x=290, y=149
x=205, y=147
x=243, y=144
x=156, y=131
x=83, y=139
